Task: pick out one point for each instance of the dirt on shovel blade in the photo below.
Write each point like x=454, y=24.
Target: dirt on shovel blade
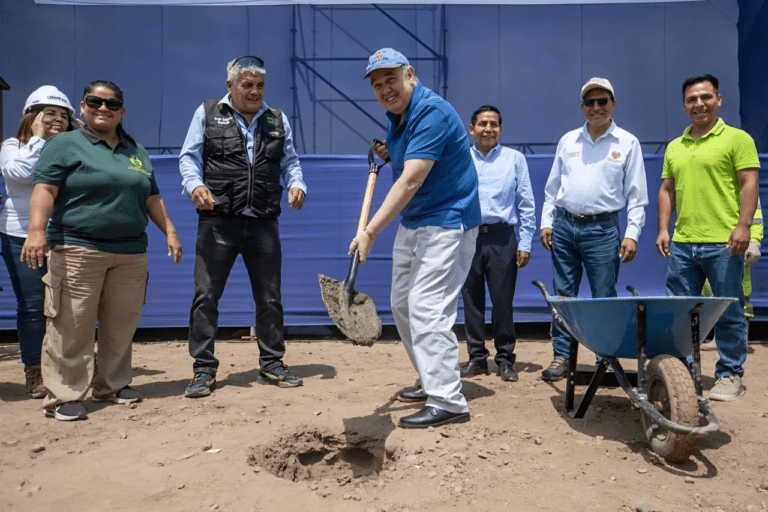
x=359, y=321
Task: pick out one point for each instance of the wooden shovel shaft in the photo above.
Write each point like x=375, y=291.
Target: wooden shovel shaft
x=367, y=200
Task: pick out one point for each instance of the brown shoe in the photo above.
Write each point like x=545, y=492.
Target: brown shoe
x=34, y=378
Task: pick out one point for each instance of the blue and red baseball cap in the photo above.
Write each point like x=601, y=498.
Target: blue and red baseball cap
x=386, y=58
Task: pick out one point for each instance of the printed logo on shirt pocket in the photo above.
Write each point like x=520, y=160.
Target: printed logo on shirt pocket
x=138, y=166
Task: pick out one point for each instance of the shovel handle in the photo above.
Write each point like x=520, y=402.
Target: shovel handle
x=349, y=282
x=373, y=173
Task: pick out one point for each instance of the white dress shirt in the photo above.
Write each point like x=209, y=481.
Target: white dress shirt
x=592, y=177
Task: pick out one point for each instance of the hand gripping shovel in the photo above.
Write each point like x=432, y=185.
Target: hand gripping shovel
x=354, y=313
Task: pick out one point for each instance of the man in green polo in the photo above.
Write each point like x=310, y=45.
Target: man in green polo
x=710, y=176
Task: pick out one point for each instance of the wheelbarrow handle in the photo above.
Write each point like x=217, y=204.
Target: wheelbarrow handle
x=541, y=286
x=559, y=320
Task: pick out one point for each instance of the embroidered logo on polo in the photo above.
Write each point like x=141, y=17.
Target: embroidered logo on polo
x=138, y=166
x=572, y=154
x=616, y=155
x=222, y=120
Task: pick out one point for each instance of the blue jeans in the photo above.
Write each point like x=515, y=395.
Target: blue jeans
x=689, y=266
x=30, y=296
x=590, y=246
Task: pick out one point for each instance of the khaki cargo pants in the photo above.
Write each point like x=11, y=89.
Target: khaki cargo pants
x=84, y=286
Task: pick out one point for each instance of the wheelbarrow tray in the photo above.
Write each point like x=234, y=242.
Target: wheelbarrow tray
x=608, y=326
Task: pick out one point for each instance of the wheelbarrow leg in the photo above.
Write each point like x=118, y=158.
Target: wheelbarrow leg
x=592, y=389
x=696, y=342
x=570, y=384
x=642, y=353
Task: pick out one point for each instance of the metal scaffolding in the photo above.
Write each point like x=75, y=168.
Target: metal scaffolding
x=306, y=77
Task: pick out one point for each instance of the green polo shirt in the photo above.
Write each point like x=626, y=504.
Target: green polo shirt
x=103, y=192
x=707, y=188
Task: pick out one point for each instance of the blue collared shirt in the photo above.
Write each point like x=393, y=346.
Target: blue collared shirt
x=432, y=130
x=505, y=191
x=191, y=156
x=592, y=177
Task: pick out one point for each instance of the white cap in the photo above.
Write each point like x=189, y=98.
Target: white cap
x=47, y=95
x=597, y=83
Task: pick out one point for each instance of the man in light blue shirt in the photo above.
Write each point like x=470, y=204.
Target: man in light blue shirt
x=236, y=152
x=598, y=170
x=506, y=201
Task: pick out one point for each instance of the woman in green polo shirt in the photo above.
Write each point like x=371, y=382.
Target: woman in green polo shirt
x=97, y=188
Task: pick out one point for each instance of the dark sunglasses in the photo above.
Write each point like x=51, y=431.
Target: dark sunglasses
x=95, y=102
x=600, y=101
x=248, y=61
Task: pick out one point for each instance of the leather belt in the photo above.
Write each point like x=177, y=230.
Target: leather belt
x=485, y=228
x=581, y=219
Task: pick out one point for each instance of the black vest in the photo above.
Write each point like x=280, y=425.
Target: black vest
x=241, y=188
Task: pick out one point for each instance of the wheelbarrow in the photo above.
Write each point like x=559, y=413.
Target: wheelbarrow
x=661, y=333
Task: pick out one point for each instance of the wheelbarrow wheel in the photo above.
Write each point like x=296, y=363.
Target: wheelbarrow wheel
x=671, y=391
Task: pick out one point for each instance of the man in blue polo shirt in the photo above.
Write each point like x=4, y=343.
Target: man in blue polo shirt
x=435, y=191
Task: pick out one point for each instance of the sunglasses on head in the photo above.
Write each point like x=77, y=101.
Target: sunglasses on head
x=591, y=102
x=95, y=102
x=249, y=61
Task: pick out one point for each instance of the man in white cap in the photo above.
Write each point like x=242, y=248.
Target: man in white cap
x=598, y=171
x=435, y=191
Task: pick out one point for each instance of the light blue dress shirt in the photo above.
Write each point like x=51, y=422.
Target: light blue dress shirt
x=505, y=191
x=191, y=156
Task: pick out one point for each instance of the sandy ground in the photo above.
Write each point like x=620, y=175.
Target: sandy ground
x=332, y=445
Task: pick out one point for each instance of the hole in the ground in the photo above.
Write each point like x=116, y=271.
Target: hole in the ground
x=314, y=455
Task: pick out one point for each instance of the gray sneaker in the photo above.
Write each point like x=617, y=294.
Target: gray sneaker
x=70, y=411
x=557, y=370
x=127, y=395
x=727, y=389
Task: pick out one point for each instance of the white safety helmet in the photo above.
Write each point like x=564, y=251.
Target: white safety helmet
x=47, y=95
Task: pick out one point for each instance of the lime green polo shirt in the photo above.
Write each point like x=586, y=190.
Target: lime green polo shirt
x=707, y=187
x=103, y=192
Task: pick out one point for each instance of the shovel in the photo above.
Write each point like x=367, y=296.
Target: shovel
x=354, y=313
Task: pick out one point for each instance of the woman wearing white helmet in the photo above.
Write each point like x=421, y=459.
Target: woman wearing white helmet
x=46, y=113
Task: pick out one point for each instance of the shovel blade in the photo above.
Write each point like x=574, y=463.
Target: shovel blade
x=354, y=313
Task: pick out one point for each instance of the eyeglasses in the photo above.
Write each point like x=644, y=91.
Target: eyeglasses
x=95, y=102
x=591, y=102
x=249, y=61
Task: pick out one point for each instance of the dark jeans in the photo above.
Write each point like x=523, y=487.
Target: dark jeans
x=219, y=241
x=495, y=261
x=30, y=296
x=593, y=245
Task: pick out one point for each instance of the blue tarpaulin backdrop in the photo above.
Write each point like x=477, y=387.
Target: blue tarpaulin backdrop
x=315, y=240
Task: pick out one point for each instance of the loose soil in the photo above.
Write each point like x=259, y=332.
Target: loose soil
x=332, y=445
x=354, y=315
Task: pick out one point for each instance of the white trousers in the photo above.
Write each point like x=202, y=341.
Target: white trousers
x=429, y=267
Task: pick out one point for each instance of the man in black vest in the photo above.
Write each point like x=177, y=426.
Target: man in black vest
x=237, y=149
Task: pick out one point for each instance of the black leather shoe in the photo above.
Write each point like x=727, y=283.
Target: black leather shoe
x=416, y=394
x=473, y=368
x=507, y=372
x=557, y=370
x=432, y=417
